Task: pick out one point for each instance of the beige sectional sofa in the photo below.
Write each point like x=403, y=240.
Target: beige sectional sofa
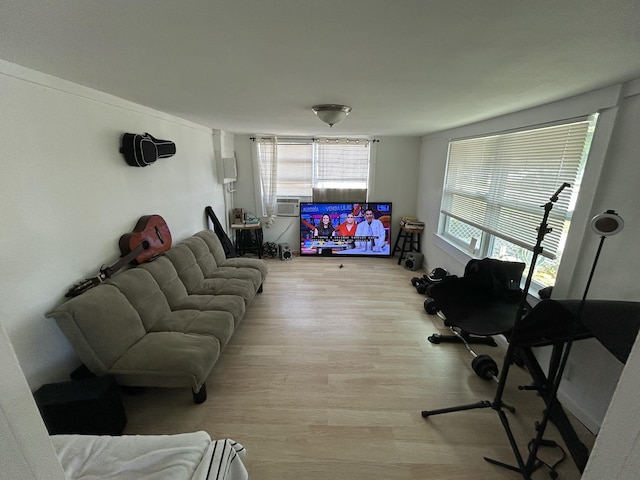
x=163, y=323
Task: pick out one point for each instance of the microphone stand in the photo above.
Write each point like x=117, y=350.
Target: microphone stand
x=525, y=469
x=497, y=404
x=532, y=463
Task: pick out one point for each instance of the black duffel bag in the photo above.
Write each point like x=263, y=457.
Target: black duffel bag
x=142, y=150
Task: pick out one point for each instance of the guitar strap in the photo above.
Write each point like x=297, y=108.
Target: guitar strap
x=226, y=242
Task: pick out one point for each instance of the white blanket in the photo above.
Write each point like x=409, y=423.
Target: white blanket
x=187, y=456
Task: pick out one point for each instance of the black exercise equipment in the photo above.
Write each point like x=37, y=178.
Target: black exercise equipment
x=557, y=323
x=497, y=313
x=485, y=367
x=480, y=304
x=424, y=283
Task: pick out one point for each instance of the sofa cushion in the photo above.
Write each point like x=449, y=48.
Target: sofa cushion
x=215, y=247
x=210, y=269
x=217, y=323
x=144, y=293
x=195, y=282
x=178, y=298
x=168, y=359
x=101, y=324
x=166, y=276
x=227, y=286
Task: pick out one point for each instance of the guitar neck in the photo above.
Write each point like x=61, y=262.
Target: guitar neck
x=124, y=261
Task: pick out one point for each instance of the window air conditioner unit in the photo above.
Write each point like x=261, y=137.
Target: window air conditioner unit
x=287, y=207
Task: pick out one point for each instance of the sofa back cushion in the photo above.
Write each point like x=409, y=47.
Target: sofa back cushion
x=187, y=267
x=166, y=275
x=101, y=325
x=144, y=293
x=203, y=255
x=213, y=242
x=215, y=247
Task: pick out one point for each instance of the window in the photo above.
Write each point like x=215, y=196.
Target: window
x=496, y=185
x=295, y=167
x=295, y=170
x=342, y=164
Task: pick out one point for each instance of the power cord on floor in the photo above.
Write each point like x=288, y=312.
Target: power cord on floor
x=270, y=249
x=552, y=468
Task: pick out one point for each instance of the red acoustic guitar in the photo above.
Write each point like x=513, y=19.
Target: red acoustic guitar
x=150, y=238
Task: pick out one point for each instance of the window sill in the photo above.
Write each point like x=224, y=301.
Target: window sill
x=463, y=257
x=451, y=249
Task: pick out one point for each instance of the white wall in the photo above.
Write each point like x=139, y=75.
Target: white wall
x=617, y=450
x=610, y=183
x=25, y=451
x=394, y=180
x=67, y=195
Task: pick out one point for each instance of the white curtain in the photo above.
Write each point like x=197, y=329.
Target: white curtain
x=266, y=152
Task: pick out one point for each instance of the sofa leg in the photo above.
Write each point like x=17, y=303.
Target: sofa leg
x=260, y=289
x=201, y=395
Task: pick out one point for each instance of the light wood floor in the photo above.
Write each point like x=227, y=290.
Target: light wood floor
x=326, y=377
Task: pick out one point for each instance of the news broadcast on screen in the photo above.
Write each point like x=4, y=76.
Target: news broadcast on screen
x=330, y=229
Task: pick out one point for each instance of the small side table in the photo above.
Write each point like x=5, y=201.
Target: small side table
x=410, y=242
x=89, y=406
x=249, y=238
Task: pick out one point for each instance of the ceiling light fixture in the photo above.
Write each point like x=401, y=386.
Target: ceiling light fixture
x=331, y=113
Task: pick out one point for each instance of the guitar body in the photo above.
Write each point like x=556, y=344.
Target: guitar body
x=150, y=236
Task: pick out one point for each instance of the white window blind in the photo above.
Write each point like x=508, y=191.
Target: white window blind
x=294, y=167
x=499, y=183
x=341, y=163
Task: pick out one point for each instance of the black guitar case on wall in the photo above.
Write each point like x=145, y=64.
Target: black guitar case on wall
x=142, y=150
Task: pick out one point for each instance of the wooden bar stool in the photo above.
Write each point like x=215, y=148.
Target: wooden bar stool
x=410, y=241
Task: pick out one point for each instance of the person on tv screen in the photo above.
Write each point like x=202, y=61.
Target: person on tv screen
x=325, y=229
x=348, y=228
x=371, y=227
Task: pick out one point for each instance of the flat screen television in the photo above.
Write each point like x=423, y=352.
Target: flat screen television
x=345, y=229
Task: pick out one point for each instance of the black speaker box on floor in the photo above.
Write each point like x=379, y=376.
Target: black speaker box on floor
x=89, y=406
x=413, y=261
x=284, y=251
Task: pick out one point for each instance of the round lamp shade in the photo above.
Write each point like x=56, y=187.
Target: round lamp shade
x=331, y=113
x=607, y=224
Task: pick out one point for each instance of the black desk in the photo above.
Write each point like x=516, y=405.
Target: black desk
x=614, y=324
x=550, y=323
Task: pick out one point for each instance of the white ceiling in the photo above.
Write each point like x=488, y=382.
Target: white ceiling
x=406, y=67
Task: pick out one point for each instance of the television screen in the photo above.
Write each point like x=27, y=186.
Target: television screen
x=345, y=229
